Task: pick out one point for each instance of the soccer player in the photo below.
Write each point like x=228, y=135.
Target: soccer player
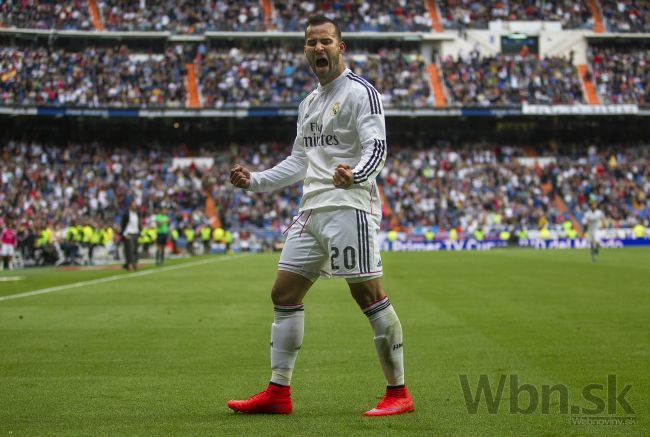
x=593, y=219
x=339, y=149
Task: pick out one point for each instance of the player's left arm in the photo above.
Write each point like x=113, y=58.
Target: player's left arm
x=371, y=128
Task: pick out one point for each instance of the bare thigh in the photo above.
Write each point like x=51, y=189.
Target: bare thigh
x=367, y=292
x=289, y=288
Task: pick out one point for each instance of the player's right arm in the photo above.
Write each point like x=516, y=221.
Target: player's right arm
x=288, y=171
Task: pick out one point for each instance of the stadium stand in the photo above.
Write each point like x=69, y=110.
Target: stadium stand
x=621, y=74
x=242, y=78
x=503, y=79
x=164, y=59
x=626, y=15
x=93, y=77
x=182, y=17
x=477, y=14
x=45, y=14
x=358, y=16
x=438, y=186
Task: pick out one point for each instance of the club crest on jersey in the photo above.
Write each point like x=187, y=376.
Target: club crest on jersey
x=336, y=108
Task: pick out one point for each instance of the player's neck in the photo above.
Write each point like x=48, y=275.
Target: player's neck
x=330, y=82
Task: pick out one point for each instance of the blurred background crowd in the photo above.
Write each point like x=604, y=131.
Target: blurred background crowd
x=433, y=187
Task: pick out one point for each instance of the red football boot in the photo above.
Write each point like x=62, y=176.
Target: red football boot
x=276, y=399
x=397, y=400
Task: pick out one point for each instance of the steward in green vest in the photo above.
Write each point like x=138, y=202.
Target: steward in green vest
x=189, y=236
x=228, y=240
x=206, y=234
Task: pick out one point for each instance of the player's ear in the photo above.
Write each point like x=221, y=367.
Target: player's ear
x=342, y=47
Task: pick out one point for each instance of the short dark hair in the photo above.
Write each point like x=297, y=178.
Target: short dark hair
x=317, y=20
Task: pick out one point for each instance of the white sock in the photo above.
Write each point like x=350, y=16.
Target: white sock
x=388, y=339
x=287, y=333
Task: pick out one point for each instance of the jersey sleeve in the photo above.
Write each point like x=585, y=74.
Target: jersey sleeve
x=371, y=128
x=288, y=171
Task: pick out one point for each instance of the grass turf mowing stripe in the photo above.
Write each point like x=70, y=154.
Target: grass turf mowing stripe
x=115, y=278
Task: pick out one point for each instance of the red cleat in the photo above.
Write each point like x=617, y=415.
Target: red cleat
x=395, y=401
x=276, y=399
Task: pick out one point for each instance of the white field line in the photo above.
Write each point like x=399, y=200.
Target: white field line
x=117, y=277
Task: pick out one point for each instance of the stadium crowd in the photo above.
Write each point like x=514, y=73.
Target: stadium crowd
x=93, y=77
x=188, y=17
x=471, y=14
x=626, y=15
x=506, y=79
x=357, y=16
x=245, y=77
x=621, y=74
x=242, y=78
x=43, y=15
x=235, y=77
x=193, y=17
x=491, y=188
x=442, y=187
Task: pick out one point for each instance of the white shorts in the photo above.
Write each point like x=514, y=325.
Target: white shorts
x=340, y=242
x=7, y=250
x=593, y=235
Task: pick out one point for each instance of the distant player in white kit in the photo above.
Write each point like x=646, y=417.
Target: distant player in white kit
x=339, y=149
x=593, y=220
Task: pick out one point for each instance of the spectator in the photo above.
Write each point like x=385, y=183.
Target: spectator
x=621, y=74
x=505, y=79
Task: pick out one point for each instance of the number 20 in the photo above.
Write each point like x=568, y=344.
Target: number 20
x=349, y=257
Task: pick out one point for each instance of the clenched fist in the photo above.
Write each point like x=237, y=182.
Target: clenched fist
x=343, y=176
x=240, y=176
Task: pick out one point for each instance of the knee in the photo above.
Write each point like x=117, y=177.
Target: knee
x=281, y=296
x=366, y=293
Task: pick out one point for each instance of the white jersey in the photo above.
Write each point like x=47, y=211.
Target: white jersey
x=339, y=123
x=593, y=220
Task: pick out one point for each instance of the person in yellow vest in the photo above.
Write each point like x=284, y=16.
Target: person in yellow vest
x=218, y=236
x=453, y=234
x=70, y=246
x=189, y=237
x=567, y=225
x=504, y=235
x=95, y=240
x=228, y=238
x=206, y=234
x=572, y=234
x=639, y=230
x=522, y=234
x=80, y=234
x=392, y=238
x=45, y=242
x=108, y=240
x=174, y=235
x=86, y=241
x=429, y=235
x=544, y=233
x=146, y=239
x=108, y=235
x=479, y=234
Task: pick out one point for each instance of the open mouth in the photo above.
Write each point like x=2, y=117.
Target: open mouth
x=322, y=62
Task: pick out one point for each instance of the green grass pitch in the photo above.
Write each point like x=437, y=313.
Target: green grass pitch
x=160, y=352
